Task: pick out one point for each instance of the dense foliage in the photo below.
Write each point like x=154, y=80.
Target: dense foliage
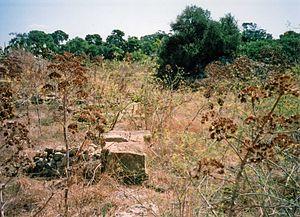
x=252, y=33
x=284, y=50
x=115, y=47
x=196, y=41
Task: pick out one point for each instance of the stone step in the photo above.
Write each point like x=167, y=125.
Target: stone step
x=126, y=136
x=126, y=161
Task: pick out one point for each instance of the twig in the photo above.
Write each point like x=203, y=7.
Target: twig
x=44, y=206
x=196, y=115
x=65, y=131
x=234, y=148
x=209, y=205
x=94, y=173
x=2, y=203
x=117, y=116
x=244, y=160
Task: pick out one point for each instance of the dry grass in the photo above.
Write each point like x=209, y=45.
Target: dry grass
x=127, y=95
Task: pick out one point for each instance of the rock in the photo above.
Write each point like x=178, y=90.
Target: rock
x=36, y=158
x=58, y=156
x=125, y=136
x=131, y=147
x=139, y=210
x=126, y=158
x=126, y=161
x=38, y=166
x=114, y=138
x=139, y=136
x=123, y=156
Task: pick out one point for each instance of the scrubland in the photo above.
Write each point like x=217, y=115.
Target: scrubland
x=227, y=145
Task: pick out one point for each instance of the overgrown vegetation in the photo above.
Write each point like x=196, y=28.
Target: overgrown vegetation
x=227, y=145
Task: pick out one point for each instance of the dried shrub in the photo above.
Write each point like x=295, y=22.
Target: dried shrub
x=264, y=144
x=6, y=100
x=16, y=63
x=15, y=141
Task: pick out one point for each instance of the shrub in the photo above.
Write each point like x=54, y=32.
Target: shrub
x=290, y=42
x=284, y=51
x=267, y=51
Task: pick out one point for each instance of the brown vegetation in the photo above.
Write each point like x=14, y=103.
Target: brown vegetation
x=229, y=146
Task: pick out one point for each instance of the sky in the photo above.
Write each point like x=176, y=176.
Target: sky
x=136, y=17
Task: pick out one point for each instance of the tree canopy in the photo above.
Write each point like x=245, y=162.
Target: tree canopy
x=196, y=41
x=115, y=47
x=251, y=32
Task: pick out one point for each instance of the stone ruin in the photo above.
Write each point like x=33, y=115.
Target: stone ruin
x=123, y=157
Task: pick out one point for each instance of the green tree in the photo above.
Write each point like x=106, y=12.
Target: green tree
x=267, y=51
x=95, y=45
x=133, y=44
x=1, y=53
x=94, y=50
x=290, y=42
x=94, y=39
x=77, y=46
x=18, y=41
x=40, y=43
x=117, y=38
x=150, y=44
x=59, y=37
x=196, y=41
x=37, y=42
x=284, y=51
x=230, y=34
x=251, y=32
x=116, y=45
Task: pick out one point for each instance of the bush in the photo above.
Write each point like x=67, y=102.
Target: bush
x=267, y=51
x=284, y=51
x=290, y=42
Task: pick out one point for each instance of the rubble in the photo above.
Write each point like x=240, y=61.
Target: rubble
x=123, y=157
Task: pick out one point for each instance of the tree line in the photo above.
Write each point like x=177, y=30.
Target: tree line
x=195, y=40
x=114, y=47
